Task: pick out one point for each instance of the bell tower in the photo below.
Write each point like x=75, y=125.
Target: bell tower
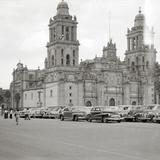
x=140, y=58
x=63, y=46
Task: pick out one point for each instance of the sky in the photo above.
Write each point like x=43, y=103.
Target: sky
x=24, y=29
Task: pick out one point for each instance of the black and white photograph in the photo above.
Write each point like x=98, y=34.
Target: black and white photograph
x=79, y=80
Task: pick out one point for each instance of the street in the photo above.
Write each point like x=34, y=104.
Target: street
x=51, y=139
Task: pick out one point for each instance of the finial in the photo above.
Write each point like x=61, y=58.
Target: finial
x=139, y=9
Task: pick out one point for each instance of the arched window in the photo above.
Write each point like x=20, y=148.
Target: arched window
x=133, y=66
x=52, y=60
x=112, y=102
x=67, y=33
x=136, y=60
x=67, y=59
x=143, y=59
x=134, y=103
x=73, y=53
x=88, y=103
x=51, y=93
x=62, y=52
x=72, y=33
x=62, y=61
x=54, y=33
x=147, y=64
x=73, y=62
x=62, y=30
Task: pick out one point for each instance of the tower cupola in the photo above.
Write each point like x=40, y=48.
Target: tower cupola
x=139, y=19
x=62, y=8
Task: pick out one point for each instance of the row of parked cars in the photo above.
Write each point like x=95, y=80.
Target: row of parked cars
x=148, y=113
x=49, y=112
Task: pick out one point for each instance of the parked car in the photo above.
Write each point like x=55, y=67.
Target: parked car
x=39, y=112
x=131, y=116
x=33, y=112
x=104, y=115
x=46, y=113
x=22, y=113
x=124, y=110
x=73, y=113
x=56, y=111
x=156, y=118
x=144, y=116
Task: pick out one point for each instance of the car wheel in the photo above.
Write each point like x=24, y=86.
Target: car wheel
x=119, y=121
x=89, y=119
x=103, y=120
x=73, y=118
x=62, y=118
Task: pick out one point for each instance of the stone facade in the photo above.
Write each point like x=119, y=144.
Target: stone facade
x=101, y=81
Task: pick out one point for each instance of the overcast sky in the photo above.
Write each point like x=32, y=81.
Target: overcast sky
x=24, y=29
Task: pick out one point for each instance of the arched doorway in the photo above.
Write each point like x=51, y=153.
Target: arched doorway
x=112, y=102
x=88, y=103
x=134, y=103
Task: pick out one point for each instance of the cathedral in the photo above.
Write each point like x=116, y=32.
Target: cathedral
x=103, y=81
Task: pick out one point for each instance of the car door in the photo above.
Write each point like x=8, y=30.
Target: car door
x=67, y=113
x=95, y=111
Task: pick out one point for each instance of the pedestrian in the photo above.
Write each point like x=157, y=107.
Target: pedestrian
x=5, y=114
x=28, y=114
x=17, y=114
x=11, y=114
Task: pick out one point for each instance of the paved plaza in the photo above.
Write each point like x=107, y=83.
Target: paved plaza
x=40, y=139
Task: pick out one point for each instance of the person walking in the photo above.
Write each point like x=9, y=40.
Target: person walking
x=17, y=114
x=11, y=114
x=5, y=114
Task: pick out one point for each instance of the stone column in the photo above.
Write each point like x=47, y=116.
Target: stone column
x=137, y=42
x=75, y=32
x=128, y=44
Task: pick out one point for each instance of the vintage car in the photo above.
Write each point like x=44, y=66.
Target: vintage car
x=46, y=113
x=56, y=111
x=33, y=112
x=39, y=112
x=156, y=118
x=124, y=110
x=143, y=116
x=104, y=115
x=73, y=113
x=22, y=113
x=131, y=116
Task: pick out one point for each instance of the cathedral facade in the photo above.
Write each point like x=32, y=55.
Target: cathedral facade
x=104, y=81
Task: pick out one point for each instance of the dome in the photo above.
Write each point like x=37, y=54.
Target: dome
x=139, y=19
x=62, y=8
